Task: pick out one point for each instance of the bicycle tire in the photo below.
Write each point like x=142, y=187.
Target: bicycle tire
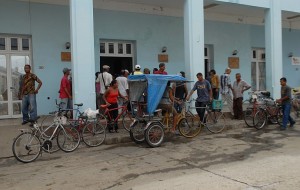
x=260, y=119
x=68, y=138
x=215, y=121
x=127, y=119
x=189, y=126
x=27, y=151
x=249, y=114
x=279, y=117
x=93, y=133
x=154, y=134
x=137, y=131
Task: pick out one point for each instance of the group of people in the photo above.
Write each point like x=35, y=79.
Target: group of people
x=108, y=90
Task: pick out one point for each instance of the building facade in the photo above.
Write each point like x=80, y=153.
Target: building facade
x=257, y=38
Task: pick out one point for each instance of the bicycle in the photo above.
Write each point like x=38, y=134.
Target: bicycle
x=125, y=114
x=213, y=120
x=92, y=130
x=28, y=145
x=270, y=111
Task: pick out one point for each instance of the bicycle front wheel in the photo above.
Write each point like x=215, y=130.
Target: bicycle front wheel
x=26, y=147
x=93, y=133
x=189, y=126
x=260, y=119
x=249, y=114
x=215, y=122
x=127, y=119
x=68, y=138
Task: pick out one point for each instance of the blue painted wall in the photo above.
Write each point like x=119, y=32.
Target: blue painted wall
x=50, y=29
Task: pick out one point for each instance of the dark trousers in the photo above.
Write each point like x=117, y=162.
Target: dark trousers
x=114, y=115
x=215, y=92
x=238, y=108
x=200, y=111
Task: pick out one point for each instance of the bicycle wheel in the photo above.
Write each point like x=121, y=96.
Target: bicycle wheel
x=279, y=116
x=215, y=121
x=93, y=133
x=127, y=119
x=137, y=131
x=260, y=119
x=189, y=126
x=68, y=138
x=154, y=134
x=26, y=147
x=249, y=114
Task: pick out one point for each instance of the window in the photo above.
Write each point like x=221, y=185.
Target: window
x=14, y=43
x=116, y=48
x=102, y=47
x=25, y=44
x=2, y=44
x=128, y=48
x=111, y=48
x=120, y=48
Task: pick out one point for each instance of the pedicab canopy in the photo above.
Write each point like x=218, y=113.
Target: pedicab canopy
x=153, y=85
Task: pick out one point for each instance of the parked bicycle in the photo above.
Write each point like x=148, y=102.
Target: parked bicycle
x=28, y=145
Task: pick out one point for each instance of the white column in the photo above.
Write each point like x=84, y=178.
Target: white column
x=273, y=40
x=194, y=38
x=83, y=58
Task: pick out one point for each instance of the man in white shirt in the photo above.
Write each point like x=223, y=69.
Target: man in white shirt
x=104, y=79
x=123, y=85
x=226, y=89
x=239, y=87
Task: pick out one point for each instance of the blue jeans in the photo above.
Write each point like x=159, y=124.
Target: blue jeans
x=286, y=109
x=29, y=110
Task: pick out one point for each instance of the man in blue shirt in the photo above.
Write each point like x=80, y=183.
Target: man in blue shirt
x=204, y=93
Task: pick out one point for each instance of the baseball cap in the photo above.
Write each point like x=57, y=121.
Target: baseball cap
x=105, y=67
x=66, y=70
x=137, y=67
x=126, y=71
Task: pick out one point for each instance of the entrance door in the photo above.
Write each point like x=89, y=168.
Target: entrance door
x=13, y=58
x=258, y=70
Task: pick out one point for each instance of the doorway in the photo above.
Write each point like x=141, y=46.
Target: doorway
x=258, y=70
x=116, y=64
x=14, y=55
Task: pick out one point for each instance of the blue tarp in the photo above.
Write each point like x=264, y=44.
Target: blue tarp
x=156, y=87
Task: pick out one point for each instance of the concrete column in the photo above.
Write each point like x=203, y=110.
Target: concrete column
x=273, y=40
x=194, y=38
x=83, y=58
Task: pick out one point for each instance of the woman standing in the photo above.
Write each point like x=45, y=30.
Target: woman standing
x=111, y=99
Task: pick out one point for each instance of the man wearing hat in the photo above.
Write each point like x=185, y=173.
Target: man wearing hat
x=65, y=92
x=104, y=79
x=137, y=70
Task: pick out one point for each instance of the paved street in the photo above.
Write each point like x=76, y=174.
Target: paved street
x=241, y=158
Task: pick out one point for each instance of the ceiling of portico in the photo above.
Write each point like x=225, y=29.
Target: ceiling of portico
x=214, y=10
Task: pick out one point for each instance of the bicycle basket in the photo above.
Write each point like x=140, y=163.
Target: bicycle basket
x=217, y=104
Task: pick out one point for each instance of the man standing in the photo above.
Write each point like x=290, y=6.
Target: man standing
x=161, y=69
x=204, y=93
x=225, y=89
x=239, y=87
x=28, y=94
x=285, y=101
x=104, y=79
x=215, y=84
x=123, y=86
x=65, y=92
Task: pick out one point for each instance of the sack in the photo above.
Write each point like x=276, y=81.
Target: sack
x=91, y=113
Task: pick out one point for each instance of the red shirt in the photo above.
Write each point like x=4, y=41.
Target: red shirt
x=64, y=83
x=160, y=72
x=112, y=96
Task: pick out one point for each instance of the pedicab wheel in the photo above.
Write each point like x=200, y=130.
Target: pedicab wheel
x=154, y=134
x=26, y=147
x=137, y=131
x=189, y=126
x=260, y=119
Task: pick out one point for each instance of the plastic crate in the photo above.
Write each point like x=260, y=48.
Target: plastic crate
x=217, y=104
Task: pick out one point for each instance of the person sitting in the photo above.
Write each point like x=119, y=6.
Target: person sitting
x=137, y=70
x=166, y=103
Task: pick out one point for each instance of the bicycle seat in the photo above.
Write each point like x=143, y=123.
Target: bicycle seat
x=104, y=106
x=81, y=104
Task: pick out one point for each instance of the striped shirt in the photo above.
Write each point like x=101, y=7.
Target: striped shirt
x=225, y=84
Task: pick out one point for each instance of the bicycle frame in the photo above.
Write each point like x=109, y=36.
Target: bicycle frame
x=107, y=112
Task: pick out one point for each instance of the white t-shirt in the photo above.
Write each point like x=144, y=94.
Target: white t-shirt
x=122, y=85
x=107, y=77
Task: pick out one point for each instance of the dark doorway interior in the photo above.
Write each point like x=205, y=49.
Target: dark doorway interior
x=116, y=64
